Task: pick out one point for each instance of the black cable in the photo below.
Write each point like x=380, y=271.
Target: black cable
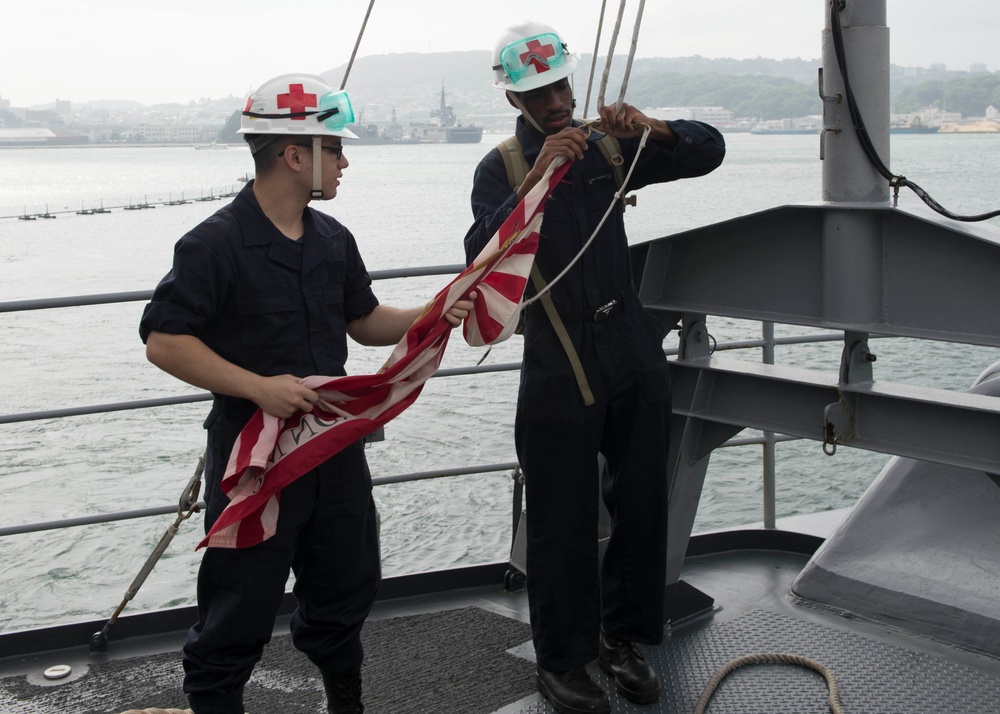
x=866, y=143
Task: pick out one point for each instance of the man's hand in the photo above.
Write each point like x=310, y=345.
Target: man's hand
x=283, y=395
x=628, y=122
x=461, y=309
x=571, y=142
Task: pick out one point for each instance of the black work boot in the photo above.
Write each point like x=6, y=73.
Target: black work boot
x=231, y=704
x=635, y=678
x=343, y=694
x=572, y=692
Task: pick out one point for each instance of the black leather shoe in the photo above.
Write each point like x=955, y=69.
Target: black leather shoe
x=634, y=676
x=573, y=692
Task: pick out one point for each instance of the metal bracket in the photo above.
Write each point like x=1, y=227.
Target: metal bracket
x=840, y=419
x=696, y=341
x=856, y=360
x=838, y=98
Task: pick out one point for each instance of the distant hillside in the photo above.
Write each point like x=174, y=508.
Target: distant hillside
x=759, y=88
x=411, y=83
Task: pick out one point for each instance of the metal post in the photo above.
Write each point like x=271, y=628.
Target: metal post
x=768, y=458
x=848, y=175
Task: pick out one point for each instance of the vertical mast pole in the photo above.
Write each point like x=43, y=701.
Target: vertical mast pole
x=848, y=175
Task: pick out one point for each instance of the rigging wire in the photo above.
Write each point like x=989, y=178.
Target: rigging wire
x=357, y=43
x=894, y=180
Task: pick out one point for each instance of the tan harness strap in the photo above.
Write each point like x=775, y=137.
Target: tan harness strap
x=513, y=161
x=563, y=335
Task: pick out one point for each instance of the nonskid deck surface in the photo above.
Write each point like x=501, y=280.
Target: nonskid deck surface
x=449, y=661
x=470, y=652
x=873, y=676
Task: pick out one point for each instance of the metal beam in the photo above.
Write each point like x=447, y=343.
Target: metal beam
x=845, y=267
x=955, y=428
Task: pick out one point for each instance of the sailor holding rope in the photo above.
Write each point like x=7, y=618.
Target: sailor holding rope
x=594, y=382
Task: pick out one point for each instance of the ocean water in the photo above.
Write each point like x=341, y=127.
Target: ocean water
x=408, y=206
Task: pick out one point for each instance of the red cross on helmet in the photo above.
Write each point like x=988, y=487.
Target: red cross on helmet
x=298, y=104
x=529, y=56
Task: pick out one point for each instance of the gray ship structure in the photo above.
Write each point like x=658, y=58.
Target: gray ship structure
x=895, y=598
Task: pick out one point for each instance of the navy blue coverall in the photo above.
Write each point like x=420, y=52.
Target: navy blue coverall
x=274, y=306
x=557, y=438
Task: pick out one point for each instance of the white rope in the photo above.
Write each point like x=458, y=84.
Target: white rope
x=357, y=43
x=593, y=60
x=611, y=55
x=631, y=53
x=614, y=204
x=642, y=141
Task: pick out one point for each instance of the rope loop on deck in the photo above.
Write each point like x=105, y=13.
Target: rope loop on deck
x=771, y=658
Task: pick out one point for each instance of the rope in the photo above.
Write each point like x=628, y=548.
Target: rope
x=631, y=52
x=600, y=100
x=186, y=506
x=593, y=60
x=771, y=658
x=611, y=55
x=357, y=43
x=614, y=204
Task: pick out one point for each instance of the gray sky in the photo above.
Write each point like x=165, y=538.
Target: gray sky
x=81, y=50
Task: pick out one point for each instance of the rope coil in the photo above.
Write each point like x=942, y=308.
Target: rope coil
x=771, y=658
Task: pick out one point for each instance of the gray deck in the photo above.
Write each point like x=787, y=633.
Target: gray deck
x=470, y=651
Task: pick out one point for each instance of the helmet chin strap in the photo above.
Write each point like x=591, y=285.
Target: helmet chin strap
x=515, y=99
x=317, y=189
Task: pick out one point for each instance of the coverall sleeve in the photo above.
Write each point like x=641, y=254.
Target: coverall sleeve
x=700, y=150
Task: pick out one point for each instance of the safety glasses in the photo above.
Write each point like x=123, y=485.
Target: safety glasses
x=542, y=52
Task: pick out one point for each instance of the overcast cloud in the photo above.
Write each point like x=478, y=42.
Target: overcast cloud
x=188, y=49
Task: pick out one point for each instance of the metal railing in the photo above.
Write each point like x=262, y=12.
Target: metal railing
x=766, y=440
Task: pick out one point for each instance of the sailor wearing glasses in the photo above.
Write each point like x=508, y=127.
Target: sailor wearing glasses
x=260, y=295
x=594, y=384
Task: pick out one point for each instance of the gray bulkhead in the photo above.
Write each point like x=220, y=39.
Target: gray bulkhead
x=920, y=549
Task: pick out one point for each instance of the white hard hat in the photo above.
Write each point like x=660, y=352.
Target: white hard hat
x=529, y=56
x=297, y=104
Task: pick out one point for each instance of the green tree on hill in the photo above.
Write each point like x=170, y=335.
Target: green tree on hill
x=968, y=95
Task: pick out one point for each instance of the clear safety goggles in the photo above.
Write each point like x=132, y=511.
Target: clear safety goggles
x=335, y=110
x=543, y=52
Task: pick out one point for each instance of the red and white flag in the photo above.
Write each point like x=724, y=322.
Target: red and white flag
x=270, y=452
